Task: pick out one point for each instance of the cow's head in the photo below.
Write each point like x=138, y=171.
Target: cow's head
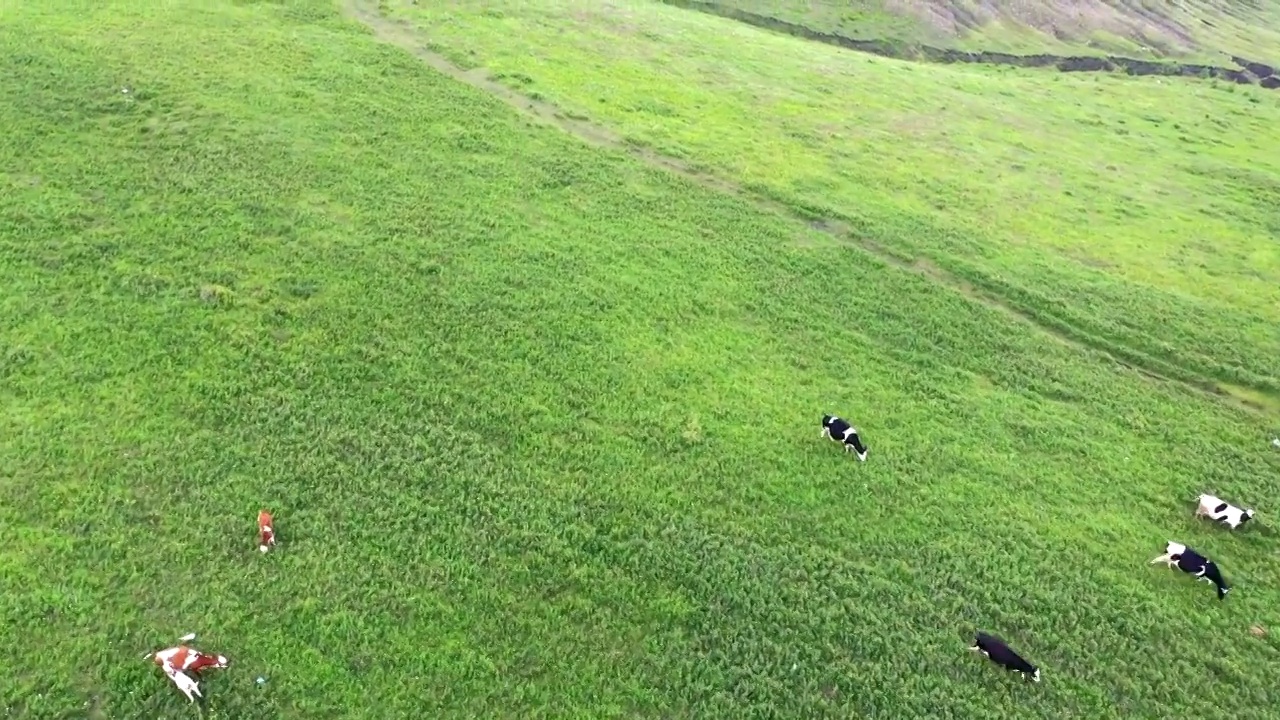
x=826, y=420
x=1246, y=516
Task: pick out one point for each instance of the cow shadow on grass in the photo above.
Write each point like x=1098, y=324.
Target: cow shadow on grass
x=1255, y=534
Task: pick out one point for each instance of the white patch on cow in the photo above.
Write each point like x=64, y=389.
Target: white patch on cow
x=188, y=686
x=1206, y=504
x=1171, y=551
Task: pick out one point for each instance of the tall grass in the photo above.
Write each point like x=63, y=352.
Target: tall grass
x=538, y=424
x=1136, y=213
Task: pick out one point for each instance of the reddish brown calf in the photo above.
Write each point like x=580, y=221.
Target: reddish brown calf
x=265, y=530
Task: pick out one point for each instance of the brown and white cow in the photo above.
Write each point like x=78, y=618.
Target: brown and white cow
x=266, y=531
x=188, y=659
x=179, y=660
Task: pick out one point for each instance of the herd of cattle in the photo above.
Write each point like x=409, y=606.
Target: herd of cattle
x=1175, y=554
x=178, y=661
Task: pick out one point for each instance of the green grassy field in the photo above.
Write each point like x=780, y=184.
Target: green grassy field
x=1209, y=31
x=1134, y=216
x=539, y=421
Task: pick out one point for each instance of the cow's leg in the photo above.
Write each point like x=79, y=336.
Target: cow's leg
x=851, y=438
x=184, y=683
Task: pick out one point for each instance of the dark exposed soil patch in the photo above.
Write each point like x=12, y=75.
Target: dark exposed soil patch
x=1252, y=72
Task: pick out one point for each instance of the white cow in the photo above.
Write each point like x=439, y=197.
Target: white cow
x=1216, y=508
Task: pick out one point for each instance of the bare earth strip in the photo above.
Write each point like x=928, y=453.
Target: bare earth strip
x=1202, y=31
x=410, y=39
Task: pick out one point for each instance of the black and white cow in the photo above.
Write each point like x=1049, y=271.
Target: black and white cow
x=841, y=431
x=1215, y=508
x=1193, y=563
x=998, y=652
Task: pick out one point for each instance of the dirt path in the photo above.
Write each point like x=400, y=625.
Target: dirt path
x=411, y=39
x=1249, y=73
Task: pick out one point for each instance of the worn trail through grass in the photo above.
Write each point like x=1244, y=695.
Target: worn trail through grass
x=403, y=34
x=1132, y=215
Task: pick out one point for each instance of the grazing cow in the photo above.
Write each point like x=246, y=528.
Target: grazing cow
x=188, y=659
x=1193, y=563
x=179, y=660
x=998, y=652
x=267, y=535
x=1216, y=508
x=841, y=431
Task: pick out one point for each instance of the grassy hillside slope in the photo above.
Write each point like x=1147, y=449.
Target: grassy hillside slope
x=1138, y=216
x=1204, y=30
x=538, y=423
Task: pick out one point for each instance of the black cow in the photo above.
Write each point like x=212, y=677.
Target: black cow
x=841, y=431
x=1193, y=563
x=998, y=652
